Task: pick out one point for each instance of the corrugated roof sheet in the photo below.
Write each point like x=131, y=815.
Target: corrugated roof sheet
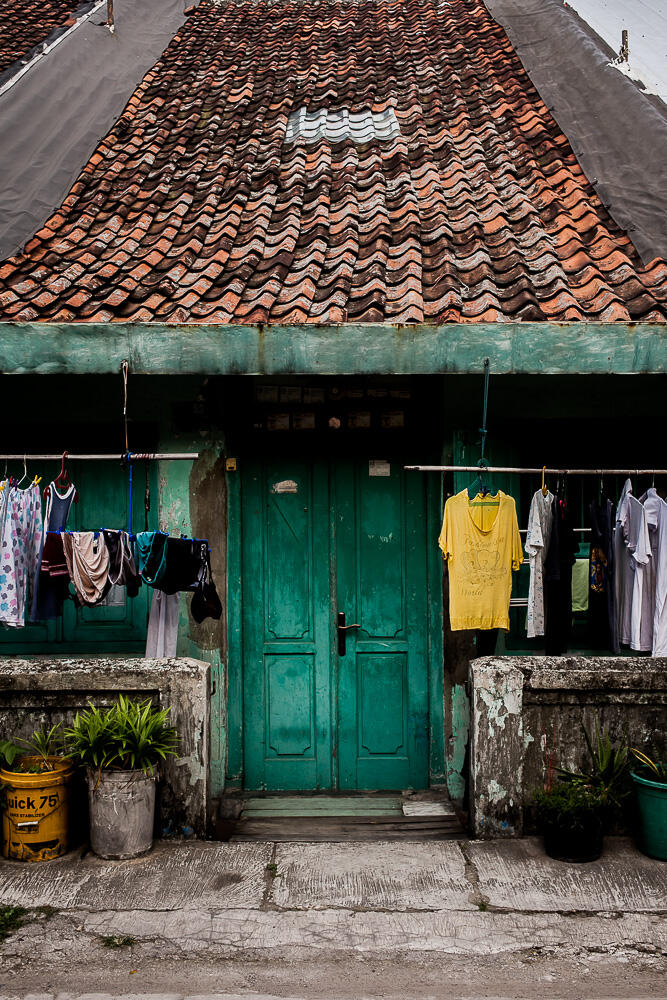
x=195, y=207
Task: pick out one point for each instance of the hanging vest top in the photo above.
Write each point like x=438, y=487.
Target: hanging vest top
x=57, y=508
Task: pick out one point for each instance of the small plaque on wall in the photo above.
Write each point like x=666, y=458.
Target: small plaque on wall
x=285, y=486
x=378, y=467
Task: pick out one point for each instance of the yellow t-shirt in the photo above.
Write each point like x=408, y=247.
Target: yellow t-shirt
x=482, y=545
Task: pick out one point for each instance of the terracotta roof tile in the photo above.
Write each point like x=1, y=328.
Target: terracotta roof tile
x=24, y=24
x=215, y=198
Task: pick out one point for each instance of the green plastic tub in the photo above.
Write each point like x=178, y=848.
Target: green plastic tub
x=652, y=802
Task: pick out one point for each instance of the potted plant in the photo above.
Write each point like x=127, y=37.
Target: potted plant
x=36, y=806
x=574, y=814
x=607, y=772
x=120, y=748
x=650, y=782
x=570, y=818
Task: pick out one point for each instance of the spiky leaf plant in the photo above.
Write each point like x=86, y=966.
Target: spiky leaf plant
x=652, y=768
x=128, y=736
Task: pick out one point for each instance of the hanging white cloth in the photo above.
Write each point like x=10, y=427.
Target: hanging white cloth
x=162, y=636
x=660, y=558
x=632, y=551
x=639, y=545
x=540, y=519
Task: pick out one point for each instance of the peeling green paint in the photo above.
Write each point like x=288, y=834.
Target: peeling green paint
x=458, y=743
x=170, y=349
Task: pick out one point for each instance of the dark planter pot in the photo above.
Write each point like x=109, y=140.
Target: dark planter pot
x=577, y=846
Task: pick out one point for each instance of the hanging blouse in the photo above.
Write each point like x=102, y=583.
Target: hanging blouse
x=482, y=546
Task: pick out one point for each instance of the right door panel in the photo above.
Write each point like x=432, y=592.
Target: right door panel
x=382, y=726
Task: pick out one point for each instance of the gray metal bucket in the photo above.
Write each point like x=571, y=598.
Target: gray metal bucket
x=122, y=811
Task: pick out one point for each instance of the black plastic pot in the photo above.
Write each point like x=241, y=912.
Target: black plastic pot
x=578, y=845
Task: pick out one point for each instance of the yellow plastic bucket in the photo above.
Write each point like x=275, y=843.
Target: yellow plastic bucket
x=35, y=820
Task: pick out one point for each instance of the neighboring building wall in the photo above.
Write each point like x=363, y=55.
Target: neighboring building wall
x=522, y=705
x=33, y=693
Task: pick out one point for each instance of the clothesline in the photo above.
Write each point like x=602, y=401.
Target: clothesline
x=132, y=456
x=547, y=472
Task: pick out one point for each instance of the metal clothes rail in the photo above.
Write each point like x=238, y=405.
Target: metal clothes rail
x=547, y=472
x=133, y=456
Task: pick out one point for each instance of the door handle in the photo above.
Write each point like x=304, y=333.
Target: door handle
x=342, y=630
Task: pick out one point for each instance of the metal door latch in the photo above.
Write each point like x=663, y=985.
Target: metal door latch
x=342, y=629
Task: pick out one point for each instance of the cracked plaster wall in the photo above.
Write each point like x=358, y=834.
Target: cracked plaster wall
x=33, y=693
x=520, y=705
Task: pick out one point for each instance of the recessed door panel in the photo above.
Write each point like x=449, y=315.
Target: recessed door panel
x=288, y=569
x=382, y=701
x=380, y=562
x=290, y=707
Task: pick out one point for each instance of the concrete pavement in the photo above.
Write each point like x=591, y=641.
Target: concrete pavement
x=295, y=901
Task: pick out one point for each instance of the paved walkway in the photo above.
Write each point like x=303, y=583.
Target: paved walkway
x=291, y=900
x=345, y=921
x=295, y=900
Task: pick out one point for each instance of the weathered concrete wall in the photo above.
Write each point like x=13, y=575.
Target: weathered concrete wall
x=36, y=692
x=522, y=706
x=193, y=500
x=496, y=747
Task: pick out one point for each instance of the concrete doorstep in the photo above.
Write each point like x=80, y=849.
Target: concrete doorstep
x=294, y=901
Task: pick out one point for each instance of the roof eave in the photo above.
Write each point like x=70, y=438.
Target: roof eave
x=349, y=348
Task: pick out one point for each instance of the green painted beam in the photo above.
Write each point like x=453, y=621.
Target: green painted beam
x=170, y=349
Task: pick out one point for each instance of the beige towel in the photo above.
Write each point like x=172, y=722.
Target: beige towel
x=87, y=561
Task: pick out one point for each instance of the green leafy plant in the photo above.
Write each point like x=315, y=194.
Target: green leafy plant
x=118, y=941
x=652, y=768
x=91, y=739
x=128, y=736
x=11, y=918
x=9, y=752
x=608, y=771
x=572, y=807
x=45, y=744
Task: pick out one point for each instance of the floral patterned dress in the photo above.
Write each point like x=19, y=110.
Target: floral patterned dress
x=20, y=553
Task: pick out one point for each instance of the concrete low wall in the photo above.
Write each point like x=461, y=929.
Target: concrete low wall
x=45, y=691
x=522, y=706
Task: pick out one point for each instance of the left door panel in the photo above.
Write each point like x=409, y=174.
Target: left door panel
x=286, y=626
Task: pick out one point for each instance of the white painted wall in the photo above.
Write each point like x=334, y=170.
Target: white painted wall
x=646, y=24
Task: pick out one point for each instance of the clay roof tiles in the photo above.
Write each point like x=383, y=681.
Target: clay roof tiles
x=334, y=161
x=24, y=24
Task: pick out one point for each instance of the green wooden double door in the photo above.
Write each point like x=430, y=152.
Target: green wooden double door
x=326, y=707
